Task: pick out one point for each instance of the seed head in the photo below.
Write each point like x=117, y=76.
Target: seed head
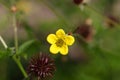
x=41, y=66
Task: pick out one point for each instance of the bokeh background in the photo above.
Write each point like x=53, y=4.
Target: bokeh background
x=95, y=54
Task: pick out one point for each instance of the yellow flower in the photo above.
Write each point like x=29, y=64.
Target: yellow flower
x=60, y=42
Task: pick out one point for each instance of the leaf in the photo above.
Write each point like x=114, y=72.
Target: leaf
x=25, y=46
x=5, y=53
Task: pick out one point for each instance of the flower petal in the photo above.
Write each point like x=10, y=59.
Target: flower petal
x=60, y=33
x=69, y=40
x=54, y=49
x=51, y=38
x=64, y=50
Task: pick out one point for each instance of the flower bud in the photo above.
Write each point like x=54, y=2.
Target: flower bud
x=13, y=8
x=77, y=2
x=111, y=21
x=85, y=30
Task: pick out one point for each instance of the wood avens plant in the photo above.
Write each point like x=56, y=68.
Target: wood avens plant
x=40, y=66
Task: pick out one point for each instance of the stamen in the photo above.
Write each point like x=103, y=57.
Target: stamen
x=59, y=42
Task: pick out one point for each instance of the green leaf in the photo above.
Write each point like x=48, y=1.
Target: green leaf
x=4, y=53
x=25, y=46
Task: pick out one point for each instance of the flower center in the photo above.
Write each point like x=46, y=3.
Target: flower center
x=59, y=43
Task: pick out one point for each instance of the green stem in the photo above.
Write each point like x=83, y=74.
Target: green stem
x=101, y=15
x=17, y=60
x=16, y=48
x=15, y=33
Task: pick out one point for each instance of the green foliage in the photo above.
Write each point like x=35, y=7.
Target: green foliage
x=102, y=60
x=5, y=53
x=111, y=41
x=29, y=48
x=25, y=46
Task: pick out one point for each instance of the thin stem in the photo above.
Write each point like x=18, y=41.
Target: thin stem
x=101, y=15
x=15, y=57
x=15, y=33
x=16, y=47
x=20, y=66
x=3, y=42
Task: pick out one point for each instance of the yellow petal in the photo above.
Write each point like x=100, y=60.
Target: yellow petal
x=54, y=49
x=51, y=38
x=64, y=50
x=69, y=40
x=60, y=33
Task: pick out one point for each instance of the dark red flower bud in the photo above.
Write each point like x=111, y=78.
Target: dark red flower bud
x=41, y=66
x=112, y=20
x=85, y=31
x=77, y=2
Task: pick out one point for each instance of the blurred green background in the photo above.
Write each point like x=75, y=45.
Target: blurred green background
x=94, y=59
